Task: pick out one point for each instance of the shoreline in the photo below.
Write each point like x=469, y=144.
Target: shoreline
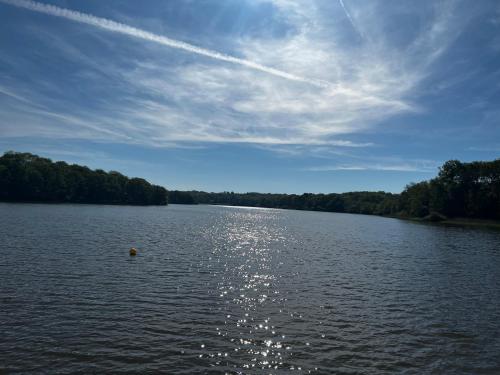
x=86, y=203
x=472, y=223
x=457, y=222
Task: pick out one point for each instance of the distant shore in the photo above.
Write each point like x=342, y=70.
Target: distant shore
x=463, y=222
x=466, y=194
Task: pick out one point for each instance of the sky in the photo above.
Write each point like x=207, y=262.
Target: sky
x=286, y=96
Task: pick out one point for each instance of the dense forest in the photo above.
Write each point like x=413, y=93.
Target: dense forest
x=468, y=190
x=25, y=177
x=378, y=203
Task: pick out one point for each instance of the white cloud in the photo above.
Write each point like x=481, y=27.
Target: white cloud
x=406, y=166
x=208, y=100
x=121, y=28
x=489, y=148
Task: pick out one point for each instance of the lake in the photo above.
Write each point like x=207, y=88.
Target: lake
x=232, y=290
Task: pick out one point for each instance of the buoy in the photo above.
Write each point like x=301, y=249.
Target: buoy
x=133, y=252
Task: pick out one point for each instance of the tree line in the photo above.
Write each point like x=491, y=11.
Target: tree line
x=378, y=203
x=468, y=190
x=25, y=177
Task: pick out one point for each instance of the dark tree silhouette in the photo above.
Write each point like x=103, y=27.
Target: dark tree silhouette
x=30, y=178
x=469, y=190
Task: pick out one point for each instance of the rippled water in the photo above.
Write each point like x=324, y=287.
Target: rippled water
x=219, y=290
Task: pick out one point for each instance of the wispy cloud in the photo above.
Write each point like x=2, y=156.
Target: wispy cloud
x=151, y=37
x=375, y=167
x=421, y=166
x=142, y=96
x=12, y=95
x=486, y=148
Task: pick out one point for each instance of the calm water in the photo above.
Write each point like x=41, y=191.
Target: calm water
x=219, y=290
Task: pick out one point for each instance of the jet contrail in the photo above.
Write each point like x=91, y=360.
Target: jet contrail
x=348, y=17
x=121, y=28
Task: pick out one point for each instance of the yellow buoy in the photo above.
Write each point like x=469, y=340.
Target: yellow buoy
x=133, y=252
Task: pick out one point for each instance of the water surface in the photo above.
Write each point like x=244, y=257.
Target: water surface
x=219, y=290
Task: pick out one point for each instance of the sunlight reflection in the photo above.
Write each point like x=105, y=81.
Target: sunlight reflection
x=254, y=311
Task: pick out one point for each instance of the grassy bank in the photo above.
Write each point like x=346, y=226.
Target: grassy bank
x=459, y=221
x=472, y=223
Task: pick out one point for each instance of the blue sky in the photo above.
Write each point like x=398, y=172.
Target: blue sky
x=253, y=95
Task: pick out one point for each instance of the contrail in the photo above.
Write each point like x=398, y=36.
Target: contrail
x=347, y=15
x=121, y=28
